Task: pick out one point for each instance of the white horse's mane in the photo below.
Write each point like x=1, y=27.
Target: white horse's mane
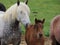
x=11, y=13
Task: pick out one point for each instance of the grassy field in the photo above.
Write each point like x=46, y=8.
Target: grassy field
x=46, y=9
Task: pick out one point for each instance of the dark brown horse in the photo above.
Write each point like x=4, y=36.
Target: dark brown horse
x=2, y=7
x=55, y=30
x=34, y=33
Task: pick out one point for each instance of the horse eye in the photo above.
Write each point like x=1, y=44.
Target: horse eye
x=41, y=26
x=22, y=12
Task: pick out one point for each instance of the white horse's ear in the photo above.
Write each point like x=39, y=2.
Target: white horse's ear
x=26, y=2
x=18, y=2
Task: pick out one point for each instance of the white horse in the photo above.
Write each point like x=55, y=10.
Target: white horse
x=9, y=23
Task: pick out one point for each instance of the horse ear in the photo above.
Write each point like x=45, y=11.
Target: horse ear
x=35, y=20
x=43, y=20
x=26, y=2
x=18, y=2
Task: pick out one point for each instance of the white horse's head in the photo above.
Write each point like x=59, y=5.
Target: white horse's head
x=19, y=11
x=23, y=12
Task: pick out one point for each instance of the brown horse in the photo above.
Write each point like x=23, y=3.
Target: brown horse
x=34, y=33
x=55, y=30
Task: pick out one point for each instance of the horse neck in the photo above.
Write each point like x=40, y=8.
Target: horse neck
x=11, y=13
x=14, y=25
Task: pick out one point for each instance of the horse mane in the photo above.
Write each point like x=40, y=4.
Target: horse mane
x=12, y=11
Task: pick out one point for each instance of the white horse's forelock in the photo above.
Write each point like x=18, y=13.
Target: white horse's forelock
x=25, y=7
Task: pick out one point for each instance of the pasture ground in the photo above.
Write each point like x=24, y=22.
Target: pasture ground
x=45, y=9
x=47, y=41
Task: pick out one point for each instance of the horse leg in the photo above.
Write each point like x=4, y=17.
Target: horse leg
x=3, y=43
x=17, y=42
x=0, y=41
x=53, y=40
x=57, y=43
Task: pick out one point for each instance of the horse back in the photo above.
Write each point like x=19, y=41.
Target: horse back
x=55, y=28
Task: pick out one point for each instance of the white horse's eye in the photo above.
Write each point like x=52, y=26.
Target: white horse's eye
x=21, y=12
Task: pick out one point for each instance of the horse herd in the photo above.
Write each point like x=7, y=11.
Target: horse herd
x=10, y=30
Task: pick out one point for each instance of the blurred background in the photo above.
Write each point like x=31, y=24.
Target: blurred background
x=39, y=9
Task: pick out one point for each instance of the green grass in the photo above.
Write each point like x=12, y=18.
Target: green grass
x=46, y=9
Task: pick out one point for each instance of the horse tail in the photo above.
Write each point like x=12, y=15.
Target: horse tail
x=2, y=7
